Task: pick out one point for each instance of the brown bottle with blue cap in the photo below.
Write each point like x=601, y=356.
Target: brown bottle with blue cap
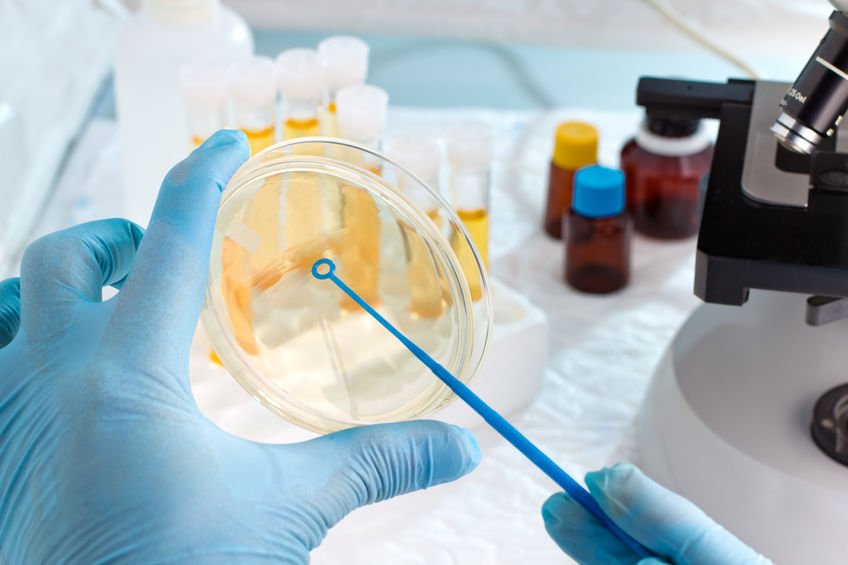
x=597, y=230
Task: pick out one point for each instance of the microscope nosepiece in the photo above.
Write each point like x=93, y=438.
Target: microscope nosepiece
x=813, y=107
x=794, y=135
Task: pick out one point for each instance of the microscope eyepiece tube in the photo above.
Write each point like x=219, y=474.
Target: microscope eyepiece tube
x=813, y=107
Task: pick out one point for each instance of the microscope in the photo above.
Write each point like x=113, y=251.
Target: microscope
x=747, y=413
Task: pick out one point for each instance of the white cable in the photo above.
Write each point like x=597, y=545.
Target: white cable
x=676, y=19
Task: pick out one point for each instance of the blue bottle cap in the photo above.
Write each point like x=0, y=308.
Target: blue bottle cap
x=598, y=192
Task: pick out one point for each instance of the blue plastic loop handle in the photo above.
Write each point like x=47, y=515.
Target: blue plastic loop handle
x=324, y=269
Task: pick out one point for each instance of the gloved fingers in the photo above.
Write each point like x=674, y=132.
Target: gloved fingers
x=581, y=535
x=10, y=309
x=665, y=522
x=65, y=268
x=359, y=466
x=161, y=298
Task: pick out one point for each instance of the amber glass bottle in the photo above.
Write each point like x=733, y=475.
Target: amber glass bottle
x=663, y=165
x=576, y=146
x=597, y=231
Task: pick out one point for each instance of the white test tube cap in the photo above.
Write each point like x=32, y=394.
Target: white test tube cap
x=361, y=112
x=300, y=74
x=469, y=144
x=345, y=60
x=203, y=84
x=253, y=81
x=417, y=152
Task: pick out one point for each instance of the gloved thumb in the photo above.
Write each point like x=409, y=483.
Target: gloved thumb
x=665, y=521
x=373, y=463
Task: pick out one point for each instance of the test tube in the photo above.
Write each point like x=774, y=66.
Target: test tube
x=361, y=112
x=204, y=92
x=469, y=148
x=302, y=84
x=345, y=62
x=420, y=153
x=253, y=90
x=254, y=93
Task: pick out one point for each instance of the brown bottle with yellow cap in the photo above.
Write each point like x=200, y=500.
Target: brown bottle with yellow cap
x=576, y=146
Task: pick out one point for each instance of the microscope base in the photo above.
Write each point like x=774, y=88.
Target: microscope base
x=726, y=423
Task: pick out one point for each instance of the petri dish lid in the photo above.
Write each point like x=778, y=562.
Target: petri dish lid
x=299, y=344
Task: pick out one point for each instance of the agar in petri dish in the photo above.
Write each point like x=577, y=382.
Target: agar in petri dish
x=300, y=345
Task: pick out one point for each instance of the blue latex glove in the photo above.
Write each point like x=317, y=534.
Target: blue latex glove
x=104, y=456
x=664, y=522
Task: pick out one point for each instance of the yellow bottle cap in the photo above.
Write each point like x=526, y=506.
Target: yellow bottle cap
x=576, y=145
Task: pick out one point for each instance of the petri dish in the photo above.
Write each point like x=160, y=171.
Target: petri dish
x=301, y=346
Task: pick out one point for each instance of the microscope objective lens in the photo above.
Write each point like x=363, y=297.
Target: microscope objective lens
x=813, y=106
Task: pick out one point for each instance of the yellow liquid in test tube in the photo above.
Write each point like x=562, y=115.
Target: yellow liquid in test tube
x=238, y=264
x=236, y=288
x=477, y=224
x=359, y=253
x=304, y=221
x=259, y=139
x=304, y=217
x=196, y=141
x=263, y=217
x=426, y=287
x=331, y=124
x=264, y=214
x=301, y=128
x=247, y=273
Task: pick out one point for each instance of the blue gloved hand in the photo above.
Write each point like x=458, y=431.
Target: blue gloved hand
x=664, y=522
x=104, y=456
